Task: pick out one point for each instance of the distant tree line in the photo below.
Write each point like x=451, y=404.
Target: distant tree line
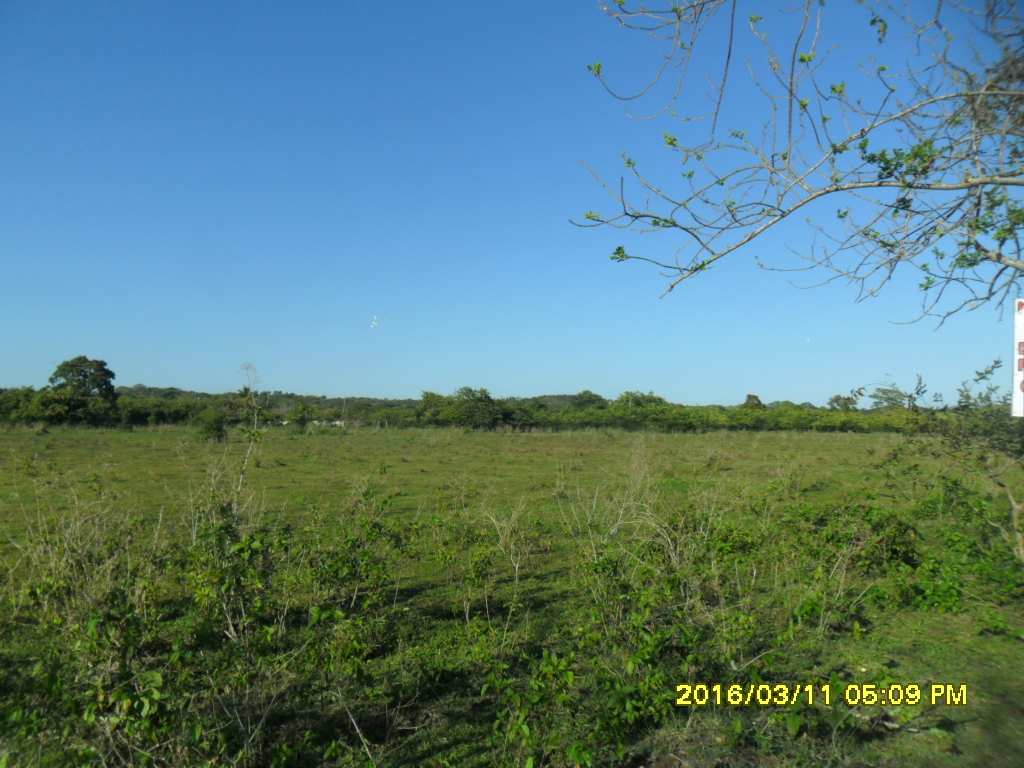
x=81, y=392
x=476, y=409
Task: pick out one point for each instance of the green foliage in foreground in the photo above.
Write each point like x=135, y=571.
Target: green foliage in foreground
x=353, y=635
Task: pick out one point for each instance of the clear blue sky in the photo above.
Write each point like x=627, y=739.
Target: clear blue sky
x=185, y=187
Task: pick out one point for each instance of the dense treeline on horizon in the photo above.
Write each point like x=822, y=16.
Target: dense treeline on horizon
x=81, y=392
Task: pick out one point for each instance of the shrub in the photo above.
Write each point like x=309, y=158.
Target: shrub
x=212, y=425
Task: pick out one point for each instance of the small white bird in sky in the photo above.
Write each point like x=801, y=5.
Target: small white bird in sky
x=375, y=322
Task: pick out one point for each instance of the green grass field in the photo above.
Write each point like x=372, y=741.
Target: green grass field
x=449, y=598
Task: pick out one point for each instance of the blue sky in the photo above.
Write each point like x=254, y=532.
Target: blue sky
x=187, y=187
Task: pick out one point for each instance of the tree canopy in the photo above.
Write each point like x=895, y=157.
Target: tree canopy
x=85, y=378
x=913, y=155
x=81, y=391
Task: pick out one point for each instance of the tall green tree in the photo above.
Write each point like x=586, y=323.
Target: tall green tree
x=85, y=378
x=81, y=391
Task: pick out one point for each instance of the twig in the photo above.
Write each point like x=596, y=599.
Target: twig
x=361, y=737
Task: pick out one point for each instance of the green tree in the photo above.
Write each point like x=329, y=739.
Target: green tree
x=302, y=413
x=890, y=396
x=212, y=423
x=845, y=402
x=754, y=402
x=587, y=399
x=633, y=400
x=86, y=378
x=751, y=414
x=81, y=391
x=520, y=413
x=791, y=416
x=635, y=410
x=475, y=408
x=910, y=155
x=16, y=404
x=434, y=409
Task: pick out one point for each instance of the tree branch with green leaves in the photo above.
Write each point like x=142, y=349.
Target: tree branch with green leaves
x=918, y=164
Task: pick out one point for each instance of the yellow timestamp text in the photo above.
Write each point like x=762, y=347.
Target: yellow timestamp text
x=852, y=694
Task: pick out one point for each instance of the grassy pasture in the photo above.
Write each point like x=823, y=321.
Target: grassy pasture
x=152, y=469
x=440, y=597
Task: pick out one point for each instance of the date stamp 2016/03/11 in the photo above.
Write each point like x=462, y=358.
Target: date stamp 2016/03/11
x=852, y=694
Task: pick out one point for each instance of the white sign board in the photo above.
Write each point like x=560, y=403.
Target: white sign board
x=1018, y=355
